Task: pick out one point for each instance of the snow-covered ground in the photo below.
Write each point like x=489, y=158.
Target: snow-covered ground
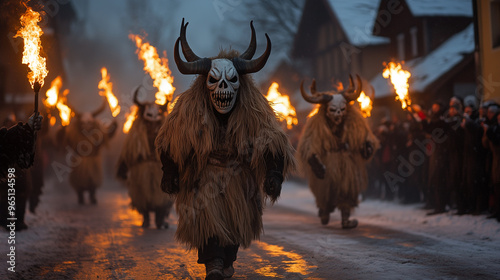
x=407, y=218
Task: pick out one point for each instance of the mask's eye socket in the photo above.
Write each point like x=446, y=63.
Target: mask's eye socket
x=212, y=80
x=234, y=79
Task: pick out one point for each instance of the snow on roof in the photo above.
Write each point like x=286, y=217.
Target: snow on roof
x=357, y=18
x=440, y=7
x=428, y=69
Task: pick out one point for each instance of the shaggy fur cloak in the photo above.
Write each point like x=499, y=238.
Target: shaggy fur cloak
x=346, y=174
x=222, y=198
x=144, y=168
x=85, y=148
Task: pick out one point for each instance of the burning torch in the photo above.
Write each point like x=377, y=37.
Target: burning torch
x=399, y=79
x=31, y=33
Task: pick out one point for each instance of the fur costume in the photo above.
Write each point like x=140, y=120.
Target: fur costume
x=222, y=151
x=339, y=148
x=221, y=174
x=140, y=167
x=83, y=139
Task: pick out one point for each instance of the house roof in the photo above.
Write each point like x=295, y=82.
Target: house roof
x=357, y=18
x=440, y=7
x=428, y=69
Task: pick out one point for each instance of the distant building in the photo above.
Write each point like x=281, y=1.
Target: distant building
x=435, y=38
x=488, y=48
x=335, y=39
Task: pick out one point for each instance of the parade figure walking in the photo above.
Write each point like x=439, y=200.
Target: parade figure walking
x=223, y=152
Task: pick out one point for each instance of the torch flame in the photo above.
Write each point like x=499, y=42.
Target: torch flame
x=314, y=111
x=157, y=68
x=31, y=32
x=171, y=105
x=53, y=92
x=64, y=110
x=281, y=106
x=365, y=104
x=52, y=120
x=399, y=79
x=130, y=119
x=107, y=90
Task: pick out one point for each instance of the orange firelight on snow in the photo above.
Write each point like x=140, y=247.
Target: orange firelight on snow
x=31, y=33
x=399, y=79
x=130, y=118
x=365, y=104
x=281, y=106
x=107, y=90
x=157, y=68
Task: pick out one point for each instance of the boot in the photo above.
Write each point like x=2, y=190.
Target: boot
x=93, y=200
x=346, y=223
x=80, y=198
x=160, y=219
x=324, y=216
x=214, y=269
x=228, y=271
x=145, y=219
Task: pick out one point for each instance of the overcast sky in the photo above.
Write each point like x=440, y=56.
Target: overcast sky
x=101, y=39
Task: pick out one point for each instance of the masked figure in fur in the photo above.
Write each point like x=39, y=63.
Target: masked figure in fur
x=83, y=140
x=334, y=148
x=223, y=151
x=139, y=165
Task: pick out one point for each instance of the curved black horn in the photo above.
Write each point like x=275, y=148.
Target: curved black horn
x=244, y=66
x=320, y=98
x=351, y=93
x=186, y=49
x=100, y=109
x=136, y=101
x=250, y=51
x=200, y=66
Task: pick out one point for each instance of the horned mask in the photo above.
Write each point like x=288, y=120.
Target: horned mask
x=87, y=120
x=150, y=111
x=223, y=75
x=335, y=102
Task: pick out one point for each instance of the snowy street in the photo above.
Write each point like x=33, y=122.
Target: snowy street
x=69, y=241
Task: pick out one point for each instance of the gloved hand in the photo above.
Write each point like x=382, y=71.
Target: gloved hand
x=317, y=167
x=367, y=150
x=272, y=185
x=35, y=123
x=170, y=183
x=170, y=179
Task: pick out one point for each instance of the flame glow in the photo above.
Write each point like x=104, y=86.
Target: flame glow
x=281, y=106
x=130, y=118
x=157, y=68
x=399, y=79
x=314, y=111
x=107, y=90
x=365, y=104
x=31, y=33
x=54, y=100
x=52, y=120
x=171, y=105
x=64, y=110
x=53, y=92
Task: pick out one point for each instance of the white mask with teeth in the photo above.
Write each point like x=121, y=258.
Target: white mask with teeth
x=223, y=83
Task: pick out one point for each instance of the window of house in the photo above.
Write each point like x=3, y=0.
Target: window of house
x=401, y=46
x=414, y=43
x=495, y=23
